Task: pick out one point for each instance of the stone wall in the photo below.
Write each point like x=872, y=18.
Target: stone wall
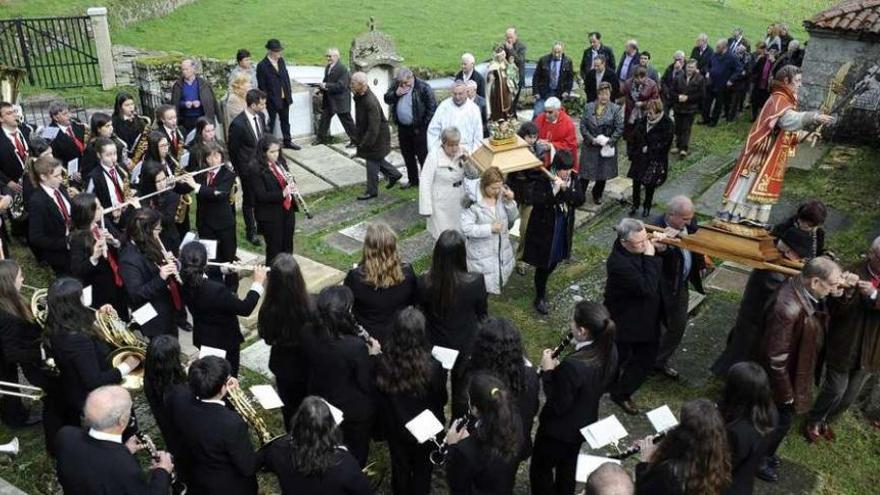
x=154, y=75
x=825, y=54
x=124, y=13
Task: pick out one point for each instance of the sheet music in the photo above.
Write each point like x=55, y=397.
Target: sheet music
x=425, y=426
x=144, y=314
x=87, y=295
x=603, y=432
x=662, y=418
x=335, y=412
x=73, y=166
x=445, y=355
x=267, y=396
x=205, y=351
x=50, y=133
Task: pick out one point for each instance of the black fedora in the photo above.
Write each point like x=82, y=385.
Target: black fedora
x=274, y=45
x=799, y=241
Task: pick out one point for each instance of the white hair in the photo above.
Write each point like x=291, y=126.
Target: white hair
x=875, y=246
x=450, y=135
x=359, y=77
x=192, y=62
x=468, y=58
x=679, y=204
x=459, y=84
x=627, y=227
x=793, y=45
x=404, y=74
x=333, y=51
x=703, y=37
x=552, y=103
x=678, y=54
x=471, y=84
x=106, y=406
x=632, y=43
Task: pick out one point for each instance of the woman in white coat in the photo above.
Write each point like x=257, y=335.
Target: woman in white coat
x=486, y=225
x=440, y=185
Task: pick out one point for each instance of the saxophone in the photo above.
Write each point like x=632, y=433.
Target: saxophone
x=185, y=199
x=142, y=142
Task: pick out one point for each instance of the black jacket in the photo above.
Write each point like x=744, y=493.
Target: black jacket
x=63, y=146
x=541, y=78
x=693, y=89
x=341, y=371
x=166, y=204
x=634, y=295
x=96, y=181
x=128, y=130
x=99, y=277
x=215, y=310
x=374, y=308
x=337, y=95
x=702, y=58
x=214, y=209
x=11, y=165
x=592, y=89
x=144, y=285
x=469, y=471
x=242, y=143
x=47, y=231
x=573, y=390
x=424, y=103
x=667, y=477
x=650, y=151
x=747, y=449
x=84, y=363
x=223, y=459
x=161, y=408
x=343, y=478
x=88, y=466
x=173, y=151
x=587, y=59
x=475, y=77
x=274, y=83
x=268, y=197
x=673, y=263
x=206, y=97
x=547, y=210
x=90, y=160
x=20, y=345
x=631, y=70
x=395, y=410
x=456, y=326
x=374, y=136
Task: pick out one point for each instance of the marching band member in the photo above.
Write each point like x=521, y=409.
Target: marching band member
x=101, y=127
x=287, y=311
x=161, y=150
x=205, y=132
x=340, y=368
x=125, y=122
x=274, y=204
x=69, y=143
x=311, y=459
x=223, y=459
x=166, y=125
x=94, y=254
x=573, y=388
x=409, y=381
x=49, y=215
x=107, y=180
x=154, y=177
x=148, y=276
x=214, y=307
x=215, y=216
x=82, y=357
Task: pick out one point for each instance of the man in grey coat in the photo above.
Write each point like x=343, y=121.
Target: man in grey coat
x=336, y=100
x=373, y=137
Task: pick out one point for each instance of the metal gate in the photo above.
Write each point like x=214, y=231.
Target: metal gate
x=56, y=52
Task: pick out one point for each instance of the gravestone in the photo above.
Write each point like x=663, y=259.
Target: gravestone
x=375, y=54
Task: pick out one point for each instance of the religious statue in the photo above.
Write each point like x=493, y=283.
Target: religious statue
x=501, y=80
x=756, y=182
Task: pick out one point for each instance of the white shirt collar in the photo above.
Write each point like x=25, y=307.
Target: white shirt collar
x=581, y=345
x=213, y=401
x=51, y=192
x=107, y=437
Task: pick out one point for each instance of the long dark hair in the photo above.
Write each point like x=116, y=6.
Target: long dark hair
x=140, y=232
x=193, y=260
x=747, y=397
x=595, y=317
x=147, y=181
x=82, y=210
x=314, y=437
x=153, y=140
x=121, y=98
x=162, y=367
x=98, y=120
x=448, y=270
x=67, y=314
x=334, y=312
x=499, y=427
x=498, y=349
x=699, y=445
x=404, y=366
x=10, y=298
x=287, y=306
x=201, y=123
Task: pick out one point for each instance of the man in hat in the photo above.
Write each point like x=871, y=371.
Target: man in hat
x=742, y=341
x=274, y=80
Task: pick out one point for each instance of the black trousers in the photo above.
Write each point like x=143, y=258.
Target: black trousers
x=356, y=435
x=759, y=98
x=684, y=122
x=292, y=393
x=673, y=329
x=598, y=188
x=553, y=465
x=278, y=236
x=227, y=244
x=722, y=102
x=636, y=362
x=542, y=274
x=775, y=437
x=284, y=113
x=344, y=119
x=247, y=208
x=414, y=149
x=637, y=195
x=12, y=410
x=373, y=169
x=839, y=391
x=410, y=467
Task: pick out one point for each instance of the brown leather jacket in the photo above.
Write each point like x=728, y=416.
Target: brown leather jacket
x=854, y=334
x=794, y=330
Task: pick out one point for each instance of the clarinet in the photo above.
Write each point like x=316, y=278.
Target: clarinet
x=635, y=449
x=438, y=456
x=151, y=448
x=363, y=333
x=558, y=350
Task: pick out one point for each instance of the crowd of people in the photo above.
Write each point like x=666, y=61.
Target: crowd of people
x=114, y=228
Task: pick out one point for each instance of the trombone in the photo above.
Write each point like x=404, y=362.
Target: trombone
x=13, y=389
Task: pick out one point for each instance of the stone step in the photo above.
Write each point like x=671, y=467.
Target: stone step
x=694, y=300
x=727, y=278
x=332, y=167
x=307, y=182
x=416, y=247
x=7, y=488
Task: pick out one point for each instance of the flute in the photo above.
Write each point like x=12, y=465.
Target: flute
x=235, y=266
x=173, y=180
x=169, y=258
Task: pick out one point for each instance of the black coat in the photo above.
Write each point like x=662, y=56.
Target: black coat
x=547, y=210
x=100, y=277
x=667, y=477
x=161, y=408
x=20, y=345
x=174, y=151
x=341, y=371
x=475, y=77
x=84, y=363
x=274, y=83
x=374, y=308
x=592, y=89
x=214, y=209
x=268, y=195
x=673, y=262
x=215, y=311
x=88, y=466
x=469, y=471
x=337, y=95
x=128, y=130
x=223, y=459
x=144, y=285
x=166, y=204
x=47, y=231
x=424, y=103
x=573, y=390
x=456, y=326
x=96, y=182
x=541, y=78
x=395, y=410
x=650, y=151
x=343, y=478
x=634, y=295
x=90, y=160
x=63, y=146
x=693, y=89
x=242, y=143
x=747, y=449
x=587, y=59
x=11, y=165
x=374, y=136
x=702, y=58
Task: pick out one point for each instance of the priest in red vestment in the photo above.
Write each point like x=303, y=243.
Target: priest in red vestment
x=555, y=128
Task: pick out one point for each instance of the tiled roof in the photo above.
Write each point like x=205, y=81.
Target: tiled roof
x=860, y=16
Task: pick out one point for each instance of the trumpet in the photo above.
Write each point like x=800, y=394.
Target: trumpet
x=13, y=389
x=296, y=194
x=438, y=457
x=244, y=406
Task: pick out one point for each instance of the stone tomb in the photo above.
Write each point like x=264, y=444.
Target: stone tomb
x=332, y=167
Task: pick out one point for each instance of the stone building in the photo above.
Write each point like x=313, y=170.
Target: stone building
x=846, y=32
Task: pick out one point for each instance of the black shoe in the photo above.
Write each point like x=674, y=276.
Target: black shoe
x=668, y=372
x=767, y=473
x=351, y=144
x=319, y=142
x=632, y=211
x=255, y=241
x=392, y=182
x=646, y=212
x=409, y=185
x=597, y=200
x=774, y=461
x=366, y=196
x=541, y=307
x=627, y=405
x=291, y=145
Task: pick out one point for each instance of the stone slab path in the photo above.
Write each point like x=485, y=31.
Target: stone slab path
x=328, y=164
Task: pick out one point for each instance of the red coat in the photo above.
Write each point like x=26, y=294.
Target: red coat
x=561, y=134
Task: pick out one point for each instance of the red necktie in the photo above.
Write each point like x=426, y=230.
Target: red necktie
x=111, y=258
x=19, y=148
x=119, y=196
x=64, y=213
x=288, y=201
x=211, y=177
x=79, y=144
x=174, y=142
x=176, y=301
